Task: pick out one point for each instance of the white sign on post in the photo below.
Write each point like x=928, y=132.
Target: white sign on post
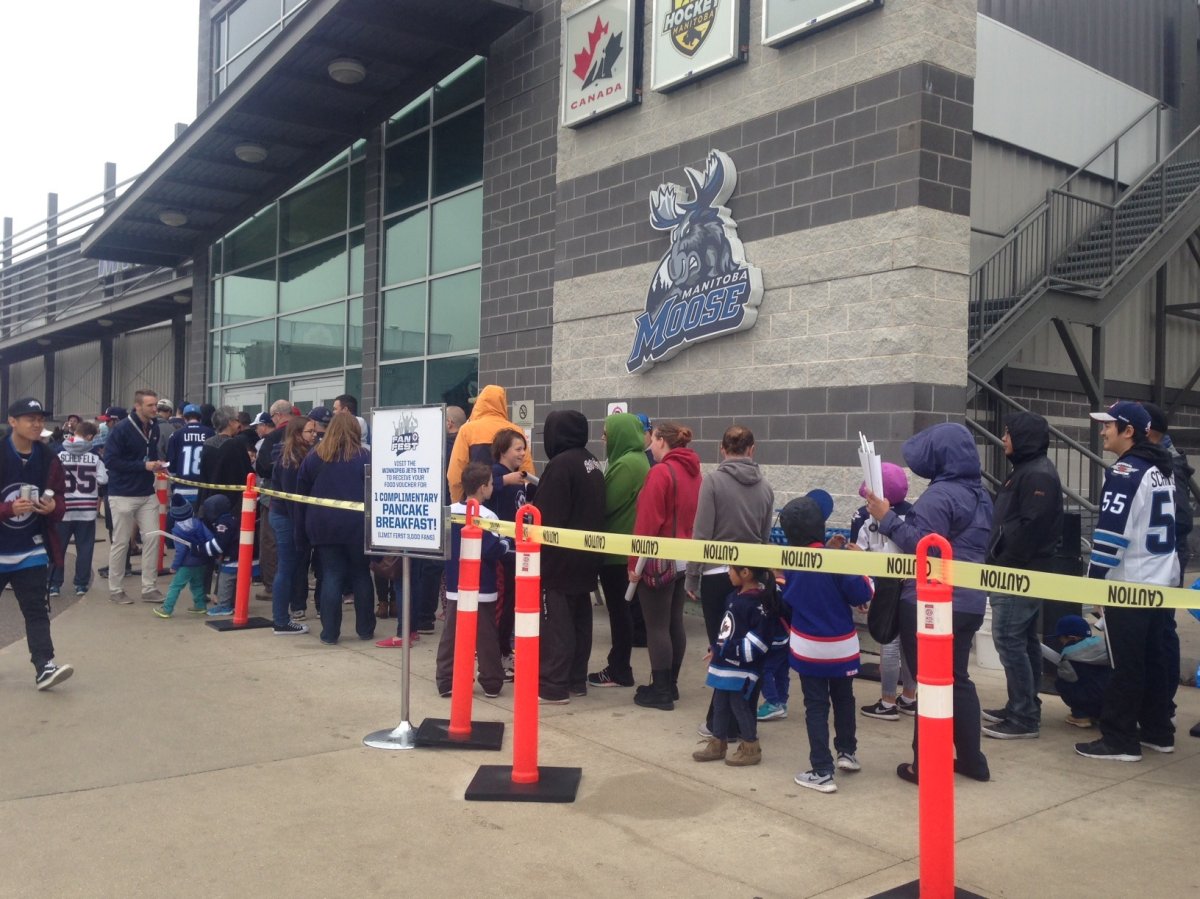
x=617, y=408
x=521, y=413
x=406, y=505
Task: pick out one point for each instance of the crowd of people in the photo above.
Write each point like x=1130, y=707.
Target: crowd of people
x=759, y=624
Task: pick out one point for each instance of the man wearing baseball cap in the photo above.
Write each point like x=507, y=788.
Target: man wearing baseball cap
x=28, y=539
x=1134, y=541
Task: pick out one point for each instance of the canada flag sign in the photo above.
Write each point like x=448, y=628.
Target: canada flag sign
x=601, y=64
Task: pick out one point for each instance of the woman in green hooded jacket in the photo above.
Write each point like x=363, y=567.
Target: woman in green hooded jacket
x=623, y=479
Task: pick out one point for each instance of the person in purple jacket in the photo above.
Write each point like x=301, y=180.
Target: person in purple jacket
x=956, y=506
x=334, y=470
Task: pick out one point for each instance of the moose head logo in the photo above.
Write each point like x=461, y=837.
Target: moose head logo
x=703, y=287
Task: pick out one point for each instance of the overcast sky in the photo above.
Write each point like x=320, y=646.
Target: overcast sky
x=88, y=83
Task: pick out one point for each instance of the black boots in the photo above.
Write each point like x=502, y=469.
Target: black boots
x=658, y=694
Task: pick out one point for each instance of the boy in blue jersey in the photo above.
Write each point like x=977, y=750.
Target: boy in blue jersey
x=184, y=449
x=1134, y=541
x=28, y=537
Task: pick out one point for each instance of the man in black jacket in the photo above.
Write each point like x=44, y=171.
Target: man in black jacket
x=1026, y=530
x=570, y=495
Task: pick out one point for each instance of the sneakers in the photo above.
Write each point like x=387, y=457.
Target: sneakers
x=771, y=711
x=396, y=642
x=1009, y=730
x=54, y=592
x=509, y=664
x=1158, y=747
x=425, y=629
x=161, y=612
x=289, y=629
x=545, y=700
x=579, y=689
x=881, y=711
x=712, y=751
x=152, y=596
x=822, y=783
x=52, y=674
x=1098, y=749
x=298, y=615
x=703, y=730
x=906, y=706
x=848, y=761
x=1082, y=721
x=121, y=598
x=491, y=695
x=81, y=591
x=220, y=611
x=199, y=610
x=994, y=716
x=749, y=752
x=604, y=678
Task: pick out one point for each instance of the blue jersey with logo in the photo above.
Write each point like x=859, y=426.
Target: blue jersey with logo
x=1135, y=533
x=183, y=453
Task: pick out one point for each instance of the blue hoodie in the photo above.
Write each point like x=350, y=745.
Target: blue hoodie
x=954, y=505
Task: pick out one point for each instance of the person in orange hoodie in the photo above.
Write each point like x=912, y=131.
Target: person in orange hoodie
x=474, y=441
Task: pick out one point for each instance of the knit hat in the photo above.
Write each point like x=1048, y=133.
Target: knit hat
x=895, y=484
x=803, y=520
x=181, y=509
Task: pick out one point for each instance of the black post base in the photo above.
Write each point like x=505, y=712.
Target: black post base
x=226, y=624
x=913, y=891
x=435, y=733
x=493, y=783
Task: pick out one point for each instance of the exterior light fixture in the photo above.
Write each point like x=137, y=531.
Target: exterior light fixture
x=250, y=152
x=173, y=218
x=104, y=322
x=43, y=341
x=347, y=71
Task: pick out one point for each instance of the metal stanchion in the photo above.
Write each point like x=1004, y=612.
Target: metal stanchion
x=245, y=567
x=460, y=731
x=524, y=780
x=403, y=735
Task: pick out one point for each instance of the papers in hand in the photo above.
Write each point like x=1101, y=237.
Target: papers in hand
x=1050, y=655
x=872, y=465
x=638, y=567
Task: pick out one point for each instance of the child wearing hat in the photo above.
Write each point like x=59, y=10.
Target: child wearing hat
x=823, y=642
x=1083, y=670
x=190, y=535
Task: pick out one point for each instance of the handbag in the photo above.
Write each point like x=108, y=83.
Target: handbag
x=883, y=615
x=659, y=573
x=387, y=566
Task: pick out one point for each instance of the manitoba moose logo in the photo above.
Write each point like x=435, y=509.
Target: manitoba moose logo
x=703, y=287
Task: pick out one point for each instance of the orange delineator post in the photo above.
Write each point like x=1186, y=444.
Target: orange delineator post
x=160, y=488
x=245, y=571
x=466, y=625
x=527, y=640
x=935, y=724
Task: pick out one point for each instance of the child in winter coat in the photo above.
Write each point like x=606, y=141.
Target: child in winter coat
x=1083, y=670
x=823, y=642
x=477, y=484
x=189, y=535
x=747, y=631
x=217, y=514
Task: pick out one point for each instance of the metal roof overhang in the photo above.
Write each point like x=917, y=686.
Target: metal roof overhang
x=286, y=101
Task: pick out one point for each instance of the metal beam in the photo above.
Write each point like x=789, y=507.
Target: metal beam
x=1087, y=378
x=1191, y=382
x=1158, y=387
x=1097, y=373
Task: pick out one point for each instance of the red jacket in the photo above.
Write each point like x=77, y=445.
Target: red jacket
x=663, y=502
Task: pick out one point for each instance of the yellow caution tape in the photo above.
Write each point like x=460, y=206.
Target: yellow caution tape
x=266, y=491
x=969, y=575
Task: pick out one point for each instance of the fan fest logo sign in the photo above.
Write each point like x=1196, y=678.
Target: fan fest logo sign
x=599, y=42
x=703, y=288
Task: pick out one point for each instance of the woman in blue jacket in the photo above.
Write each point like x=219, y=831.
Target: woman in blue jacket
x=334, y=470
x=956, y=506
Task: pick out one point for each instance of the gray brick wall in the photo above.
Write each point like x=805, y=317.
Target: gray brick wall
x=519, y=158
x=897, y=140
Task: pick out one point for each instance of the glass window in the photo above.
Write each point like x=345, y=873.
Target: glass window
x=250, y=294
x=354, y=334
x=214, y=357
x=458, y=152
x=457, y=231
x=461, y=89
x=358, y=194
x=316, y=211
x=406, y=173
x=249, y=20
x=354, y=388
x=357, y=261
x=248, y=352
x=452, y=381
x=454, y=313
x=413, y=116
x=401, y=385
x=406, y=248
x=312, y=340
x=404, y=322
x=309, y=276
x=278, y=390
x=252, y=242
x=242, y=62
x=215, y=319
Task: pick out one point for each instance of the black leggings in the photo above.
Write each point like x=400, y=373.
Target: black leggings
x=665, y=637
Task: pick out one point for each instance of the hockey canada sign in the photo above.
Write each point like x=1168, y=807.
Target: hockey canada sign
x=703, y=287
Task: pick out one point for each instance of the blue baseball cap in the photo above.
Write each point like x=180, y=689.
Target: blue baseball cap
x=191, y=409
x=1124, y=413
x=321, y=415
x=645, y=420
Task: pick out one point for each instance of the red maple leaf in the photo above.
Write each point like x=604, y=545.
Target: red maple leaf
x=583, y=61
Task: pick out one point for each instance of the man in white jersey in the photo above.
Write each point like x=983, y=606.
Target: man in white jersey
x=1134, y=541
x=84, y=474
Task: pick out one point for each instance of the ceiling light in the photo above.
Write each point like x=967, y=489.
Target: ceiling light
x=104, y=322
x=347, y=71
x=173, y=218
x=43, y=341
x=182, y=299
x=250, y=152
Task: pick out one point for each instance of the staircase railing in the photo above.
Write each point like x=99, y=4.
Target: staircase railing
x=1023, y=261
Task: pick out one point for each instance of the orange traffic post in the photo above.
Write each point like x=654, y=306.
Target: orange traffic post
x=460, y=731
x=525, y=780
x=245, y=566
x=160, y=488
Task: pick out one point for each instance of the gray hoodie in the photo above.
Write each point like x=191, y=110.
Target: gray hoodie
x=736, y=504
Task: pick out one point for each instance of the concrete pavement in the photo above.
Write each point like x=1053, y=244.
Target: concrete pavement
x=183, y=762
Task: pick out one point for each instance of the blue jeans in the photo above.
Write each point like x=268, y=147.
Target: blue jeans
x=345, y=563
x=819, y=694
x=776, y=674
x=84, y=533
x=1019, y=645
x=290, y=570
